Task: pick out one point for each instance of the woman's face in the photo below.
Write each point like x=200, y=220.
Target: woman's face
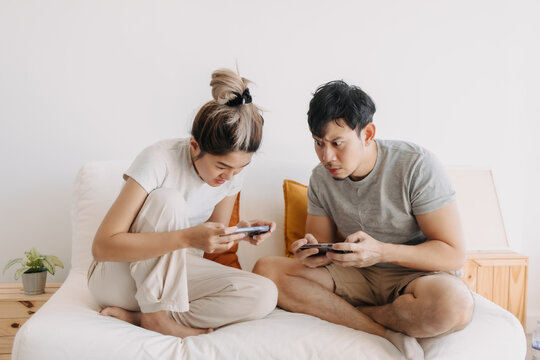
x=215, y=170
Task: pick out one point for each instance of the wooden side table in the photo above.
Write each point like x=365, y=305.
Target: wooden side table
x=500, y=276
x=15, y=309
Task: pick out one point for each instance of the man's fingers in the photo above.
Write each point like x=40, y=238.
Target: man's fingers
x=297, y=244
x=311, y=239
x=343, y=246
x=336, y=257
x=303, y=254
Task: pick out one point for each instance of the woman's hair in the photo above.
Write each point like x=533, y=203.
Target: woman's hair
x=338, y=100
x=229, y=122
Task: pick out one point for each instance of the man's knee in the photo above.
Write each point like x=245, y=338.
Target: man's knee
x=446, y=316
x=268, y=267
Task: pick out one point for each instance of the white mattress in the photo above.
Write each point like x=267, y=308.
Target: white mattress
x=69, y=326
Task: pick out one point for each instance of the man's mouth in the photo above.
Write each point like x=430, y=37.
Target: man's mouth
x=332, y=169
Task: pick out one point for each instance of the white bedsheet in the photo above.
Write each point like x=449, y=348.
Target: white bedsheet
x=69, y=326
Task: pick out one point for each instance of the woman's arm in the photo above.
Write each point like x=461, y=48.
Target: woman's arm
x=114, y=242
x=223, y=211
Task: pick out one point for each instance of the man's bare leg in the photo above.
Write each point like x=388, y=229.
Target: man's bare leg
x=156, y=321
x=311, y=291
x=430, y=306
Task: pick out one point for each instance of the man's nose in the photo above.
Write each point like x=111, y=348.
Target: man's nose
x=328, y=154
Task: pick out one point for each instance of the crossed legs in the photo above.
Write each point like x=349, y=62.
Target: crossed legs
x=424, y=310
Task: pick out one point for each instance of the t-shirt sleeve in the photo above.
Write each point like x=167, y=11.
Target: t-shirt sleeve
x=314, y=204
x=431, y=187
x=149, y=169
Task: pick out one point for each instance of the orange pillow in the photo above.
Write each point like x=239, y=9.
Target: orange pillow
x=295, y=195
x=229, y=257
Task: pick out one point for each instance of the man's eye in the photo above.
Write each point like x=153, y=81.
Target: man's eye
x=338, y=143
x=318, y=143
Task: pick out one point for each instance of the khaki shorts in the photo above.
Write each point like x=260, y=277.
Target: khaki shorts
x=373, y=285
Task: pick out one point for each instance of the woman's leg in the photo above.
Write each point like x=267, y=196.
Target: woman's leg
x=156, y=285
x=221, y=295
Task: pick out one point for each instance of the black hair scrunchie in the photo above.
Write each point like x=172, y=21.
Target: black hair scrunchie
x=240, y=99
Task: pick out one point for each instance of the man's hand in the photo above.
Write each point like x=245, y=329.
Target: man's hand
x=366, y=251
x=305, y=255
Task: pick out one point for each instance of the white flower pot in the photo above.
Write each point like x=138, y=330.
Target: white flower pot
x=34, y=283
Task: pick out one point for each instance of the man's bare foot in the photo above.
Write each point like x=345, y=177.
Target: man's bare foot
x=133, y=317
x=161, y=323
x=406, y=344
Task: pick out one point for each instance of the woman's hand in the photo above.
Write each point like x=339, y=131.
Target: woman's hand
x=257, y=239
x=308, y=257
x=212, y=237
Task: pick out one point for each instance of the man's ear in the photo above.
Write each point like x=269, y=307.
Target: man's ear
x=369, y=133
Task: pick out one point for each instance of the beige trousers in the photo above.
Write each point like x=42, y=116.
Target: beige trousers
x=194, y=291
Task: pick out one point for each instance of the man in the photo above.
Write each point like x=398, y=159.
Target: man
x=395, y=206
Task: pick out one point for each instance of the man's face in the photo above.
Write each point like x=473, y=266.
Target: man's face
x=341, y=150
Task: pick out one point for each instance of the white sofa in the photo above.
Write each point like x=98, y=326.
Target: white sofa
x=69, y=326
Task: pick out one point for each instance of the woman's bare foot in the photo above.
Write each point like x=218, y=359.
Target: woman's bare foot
x=133, y=317
x=161, y=323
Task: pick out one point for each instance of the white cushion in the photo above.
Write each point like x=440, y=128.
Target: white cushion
x=96, y=187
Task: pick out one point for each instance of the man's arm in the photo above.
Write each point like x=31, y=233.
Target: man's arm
x=444, y=249
x=322, y=228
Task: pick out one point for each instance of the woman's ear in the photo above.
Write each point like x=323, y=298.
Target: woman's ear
x=369, y=133
x=195, y=148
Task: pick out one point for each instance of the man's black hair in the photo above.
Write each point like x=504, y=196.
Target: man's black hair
x=338, y=100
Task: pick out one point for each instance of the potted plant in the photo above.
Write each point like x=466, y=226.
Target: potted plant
x=34, y=267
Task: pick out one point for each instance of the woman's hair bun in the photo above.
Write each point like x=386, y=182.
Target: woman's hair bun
x=230, y=122
x=226, y=85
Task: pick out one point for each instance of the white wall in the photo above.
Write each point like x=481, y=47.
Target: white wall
x=94, y=80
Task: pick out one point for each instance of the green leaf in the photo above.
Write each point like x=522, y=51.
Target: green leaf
x=34, y=254
x=54, y=260
x=19, y=272
x=11, y=263
x=48, y=265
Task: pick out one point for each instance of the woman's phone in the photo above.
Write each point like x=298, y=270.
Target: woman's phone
x=252, y=231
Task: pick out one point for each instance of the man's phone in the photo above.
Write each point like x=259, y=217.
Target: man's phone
x=323, y=248
x=252, y=231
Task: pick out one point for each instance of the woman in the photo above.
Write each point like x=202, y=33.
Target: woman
x=149, y=267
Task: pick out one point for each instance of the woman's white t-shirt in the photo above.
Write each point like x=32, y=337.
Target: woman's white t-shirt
x=168, y=164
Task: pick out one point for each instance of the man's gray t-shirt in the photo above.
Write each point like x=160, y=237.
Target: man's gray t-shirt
x=407, y=180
